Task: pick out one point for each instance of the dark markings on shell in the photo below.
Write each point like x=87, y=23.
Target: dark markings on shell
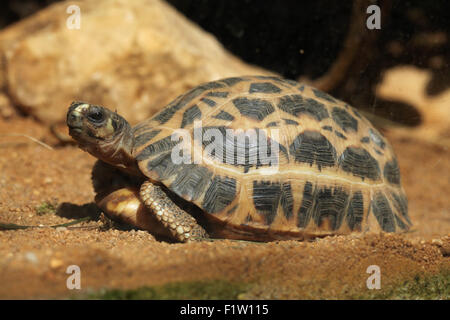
x=287, y=200
x=324, y=204
x=241, y=148
x=223, y=115
x=392, y=172
x=304, y=213
x=218, y=94
x=323, y=95
x=272, y=124
x=401, y=205
x=263, y=87
x=232, y=210
x=267, y=196
x=256, y=109
x=292, y=82
x=167, y=113
x=232, y=81
x=145, y=137
x=286, y=82
x=190, y=115
x=355, y=212
x=221, y=192
x=330, y=204
x=357, y=113
x=313, y=148
x=282, y=149
x=344, y=120
x=301, y=88
x=296, y=105
x=161, y=146
x=216, y=139
x=360, y=163
x=365, y=140
x=329, y=128
x=209, y=102
x=383, y=212
x=191, y=181
x=376, y=138
x=400, y=223
x=378, y=152
x=265, y=158
x=340, y=135
x=140, y=127
x=289, y=121
x=163, y=166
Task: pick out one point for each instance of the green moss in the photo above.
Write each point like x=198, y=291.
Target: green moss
x=423, y=287
x=45, y=207
x=198, y=290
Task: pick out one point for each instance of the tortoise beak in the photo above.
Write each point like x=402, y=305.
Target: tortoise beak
x=74, y=118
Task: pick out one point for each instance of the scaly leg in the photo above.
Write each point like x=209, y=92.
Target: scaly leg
x=180, y=223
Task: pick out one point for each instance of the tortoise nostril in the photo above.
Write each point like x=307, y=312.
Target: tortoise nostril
x=74, y=119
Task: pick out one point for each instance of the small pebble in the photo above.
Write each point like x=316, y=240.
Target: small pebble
x=31, y=257
x=55, y=263
x=48, y=180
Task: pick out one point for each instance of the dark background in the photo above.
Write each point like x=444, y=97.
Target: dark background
x=302, y=38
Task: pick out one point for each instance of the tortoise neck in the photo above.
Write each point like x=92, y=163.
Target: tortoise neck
x=118, y=151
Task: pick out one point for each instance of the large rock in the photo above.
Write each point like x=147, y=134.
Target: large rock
x=408, y=84
x=131, y=55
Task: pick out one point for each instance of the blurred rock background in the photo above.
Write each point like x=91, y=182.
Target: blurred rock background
x=133, y=56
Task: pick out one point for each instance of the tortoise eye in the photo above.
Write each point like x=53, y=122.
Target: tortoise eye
x=96, y=116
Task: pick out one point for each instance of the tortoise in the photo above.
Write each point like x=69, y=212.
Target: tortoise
x=253, y=158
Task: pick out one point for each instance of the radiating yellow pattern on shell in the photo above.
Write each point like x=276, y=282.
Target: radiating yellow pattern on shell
x=249, y=209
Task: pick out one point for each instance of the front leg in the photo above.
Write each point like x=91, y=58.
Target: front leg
x=180, y=223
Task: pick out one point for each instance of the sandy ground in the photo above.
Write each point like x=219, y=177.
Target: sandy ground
x=33, y=262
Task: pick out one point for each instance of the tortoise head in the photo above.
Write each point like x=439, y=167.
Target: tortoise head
x=102, y=133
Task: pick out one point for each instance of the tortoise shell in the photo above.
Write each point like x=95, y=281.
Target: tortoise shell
x=329, y=171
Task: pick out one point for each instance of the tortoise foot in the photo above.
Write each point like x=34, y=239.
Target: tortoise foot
x=180, y=223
